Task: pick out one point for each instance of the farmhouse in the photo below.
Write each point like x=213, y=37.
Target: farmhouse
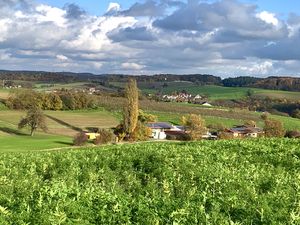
x=245, y=131
x=159, y=129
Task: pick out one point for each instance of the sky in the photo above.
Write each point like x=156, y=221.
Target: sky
x=221, y=37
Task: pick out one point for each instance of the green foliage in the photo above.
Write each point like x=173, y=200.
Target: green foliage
x=146, y=117
x=131, y=107
x=194, y=125
x=222, y=182
x=273, y=128
x=141, y=132
x=34, y=119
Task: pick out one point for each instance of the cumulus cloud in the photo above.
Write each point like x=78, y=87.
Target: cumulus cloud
x=131, y=66
x=222, y=37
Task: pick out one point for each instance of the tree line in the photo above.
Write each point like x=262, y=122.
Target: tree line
x=22, y=99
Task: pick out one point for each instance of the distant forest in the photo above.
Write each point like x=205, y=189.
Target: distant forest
x=274, y=83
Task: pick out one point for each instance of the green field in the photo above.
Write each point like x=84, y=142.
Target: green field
x=62, y=126
x=213, y=92
x=208, y=182
x=21, y=143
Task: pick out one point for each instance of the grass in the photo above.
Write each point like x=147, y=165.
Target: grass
x=42, y=87
x=214, y=92
x=62, y=126
x=4, y=93
x=65, y=123
x=25, y=143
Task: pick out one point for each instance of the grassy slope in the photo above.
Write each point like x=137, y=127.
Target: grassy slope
x=288, y=122
x=21, y=143
x=62, y=126
x=222, y=182
x=218, y=92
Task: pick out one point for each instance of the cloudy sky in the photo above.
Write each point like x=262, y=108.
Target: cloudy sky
x=225, y=37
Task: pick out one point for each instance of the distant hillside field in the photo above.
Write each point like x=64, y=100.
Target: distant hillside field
x=213, y=92
x=221, y=182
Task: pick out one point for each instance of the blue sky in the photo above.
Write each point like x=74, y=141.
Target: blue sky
x=96, y=7
x=99, y=6
x=224, y=37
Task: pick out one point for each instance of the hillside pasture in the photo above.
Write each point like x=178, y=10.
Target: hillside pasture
x=62, y=126
x=66, y=123
x=213, y=92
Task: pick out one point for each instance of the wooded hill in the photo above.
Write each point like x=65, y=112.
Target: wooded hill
x=273, y=83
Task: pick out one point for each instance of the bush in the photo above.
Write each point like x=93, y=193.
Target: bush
x=80, y=139
x=141, y=133
x=105, y=136
x=273, y=128
x=225, y=135
x=292, y=134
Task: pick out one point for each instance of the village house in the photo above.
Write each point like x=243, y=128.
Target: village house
x=245, y=131
x=160, y=129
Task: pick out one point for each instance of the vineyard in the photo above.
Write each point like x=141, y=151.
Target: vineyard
x=221, y=182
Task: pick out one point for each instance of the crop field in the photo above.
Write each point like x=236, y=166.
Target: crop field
x=221, y=182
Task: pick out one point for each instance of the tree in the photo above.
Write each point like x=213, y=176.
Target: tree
x=34, y=119
x=146, y=117
x=273, y=128
x=131, y=108
x=250, y=123
x=194, y=125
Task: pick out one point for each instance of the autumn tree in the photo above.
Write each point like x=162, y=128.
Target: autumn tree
x=273, y=128
x=146, y=117
x=250, y=123
x=34, y=119
x=131, y=108
x=194, y=125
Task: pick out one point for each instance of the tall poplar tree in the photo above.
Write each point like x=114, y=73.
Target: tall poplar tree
x=131, y=108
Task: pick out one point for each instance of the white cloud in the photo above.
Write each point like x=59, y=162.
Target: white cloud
x=62, y=57
x=268, y=17
x=4, y=26
x=51, y=14
x=113, y=7
x=132, y=66
x=258, y=68
x=217, y=37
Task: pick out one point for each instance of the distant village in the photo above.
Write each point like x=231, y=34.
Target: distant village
x=164, y=130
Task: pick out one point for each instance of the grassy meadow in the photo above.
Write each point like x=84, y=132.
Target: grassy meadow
x=213, y=92
x=62, y=126
x=207, y=182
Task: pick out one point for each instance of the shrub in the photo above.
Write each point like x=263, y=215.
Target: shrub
x=273, y=128
x=194, y=125
x=292, y=134
x=225, y=135
x=105, y=136
x=80, y=139
x=141, y=132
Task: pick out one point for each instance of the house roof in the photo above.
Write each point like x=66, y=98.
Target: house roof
x=160, y=125
x=245, y=130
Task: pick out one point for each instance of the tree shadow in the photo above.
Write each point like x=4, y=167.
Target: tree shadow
x=64, y=143
x=64, y=123
x=12, y=131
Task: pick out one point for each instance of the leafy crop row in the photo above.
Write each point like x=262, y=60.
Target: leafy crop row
x=222, y=182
